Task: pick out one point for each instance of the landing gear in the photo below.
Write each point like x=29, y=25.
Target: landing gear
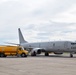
x=71, y=55
x=33, y=54
x=46, y=54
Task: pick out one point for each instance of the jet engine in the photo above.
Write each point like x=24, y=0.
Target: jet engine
x=36, y=51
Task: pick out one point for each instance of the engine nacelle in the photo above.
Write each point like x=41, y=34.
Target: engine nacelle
x=58, y=52
x=36, y=50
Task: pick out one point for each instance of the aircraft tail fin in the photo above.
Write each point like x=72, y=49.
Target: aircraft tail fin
x=21, y=38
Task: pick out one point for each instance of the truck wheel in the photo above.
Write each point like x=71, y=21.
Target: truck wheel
x=5, y=55
x=23, y=55
x=2, y=55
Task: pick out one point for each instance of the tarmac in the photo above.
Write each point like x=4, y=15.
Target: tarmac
x=39, y=65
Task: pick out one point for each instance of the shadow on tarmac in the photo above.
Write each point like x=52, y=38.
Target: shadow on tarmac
x=43, y=56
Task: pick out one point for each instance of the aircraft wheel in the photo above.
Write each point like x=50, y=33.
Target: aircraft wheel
x=71, y=55
x=33, y=54
x=46, y=54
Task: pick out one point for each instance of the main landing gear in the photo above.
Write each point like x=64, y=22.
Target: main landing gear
x=46, y=54
x=33, y=54
x=71, y=55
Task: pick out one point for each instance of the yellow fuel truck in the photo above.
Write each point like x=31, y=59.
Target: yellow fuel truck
x=13, y=51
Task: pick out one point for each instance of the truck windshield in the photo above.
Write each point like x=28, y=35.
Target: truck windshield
x=20, y=48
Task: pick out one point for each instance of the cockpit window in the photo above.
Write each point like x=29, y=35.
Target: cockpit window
x=73, y=43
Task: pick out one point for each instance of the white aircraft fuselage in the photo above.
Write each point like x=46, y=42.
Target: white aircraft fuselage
x=57, y=47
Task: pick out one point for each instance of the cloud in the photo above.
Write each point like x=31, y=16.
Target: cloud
x=50, y=31
x=38, y=19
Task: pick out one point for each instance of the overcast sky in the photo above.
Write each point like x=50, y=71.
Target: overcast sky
x=39, y=20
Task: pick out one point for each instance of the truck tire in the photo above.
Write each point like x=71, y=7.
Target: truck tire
x=5, y=55
x=2, y=55
x=23, y=55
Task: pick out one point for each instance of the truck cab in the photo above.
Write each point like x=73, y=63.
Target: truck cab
x=22, y=52
x=13, y=51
